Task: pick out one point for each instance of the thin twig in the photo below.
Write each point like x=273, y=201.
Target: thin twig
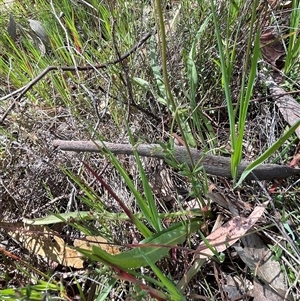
x=70, y=68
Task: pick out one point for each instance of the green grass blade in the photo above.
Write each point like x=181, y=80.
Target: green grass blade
x=151, y=215
x=153, y=218
x=191, y=66
x=192, y=74
x=138, y=197
x=58, y=218
x=244, y=104
x=106, y=290
x=268, y=152
x=169, y=285
x=172, y=236
x=231, y=114
x=294, y=41
x=156, y=72
x=141, y=226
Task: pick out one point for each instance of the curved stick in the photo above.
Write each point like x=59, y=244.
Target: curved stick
x=26, y=88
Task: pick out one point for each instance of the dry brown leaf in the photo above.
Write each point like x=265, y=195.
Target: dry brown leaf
x=41, y=240
x=272, y=48
x=230, y=232
x=234, y=205
x=98, y=241
x=274, y=39
x=221, y=239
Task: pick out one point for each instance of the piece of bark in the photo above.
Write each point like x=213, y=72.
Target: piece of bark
x=213, y=165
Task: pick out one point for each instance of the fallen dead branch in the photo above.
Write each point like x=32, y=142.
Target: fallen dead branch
x=213, y=165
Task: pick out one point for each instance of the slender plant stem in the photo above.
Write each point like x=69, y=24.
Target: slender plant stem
x=170, y=99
